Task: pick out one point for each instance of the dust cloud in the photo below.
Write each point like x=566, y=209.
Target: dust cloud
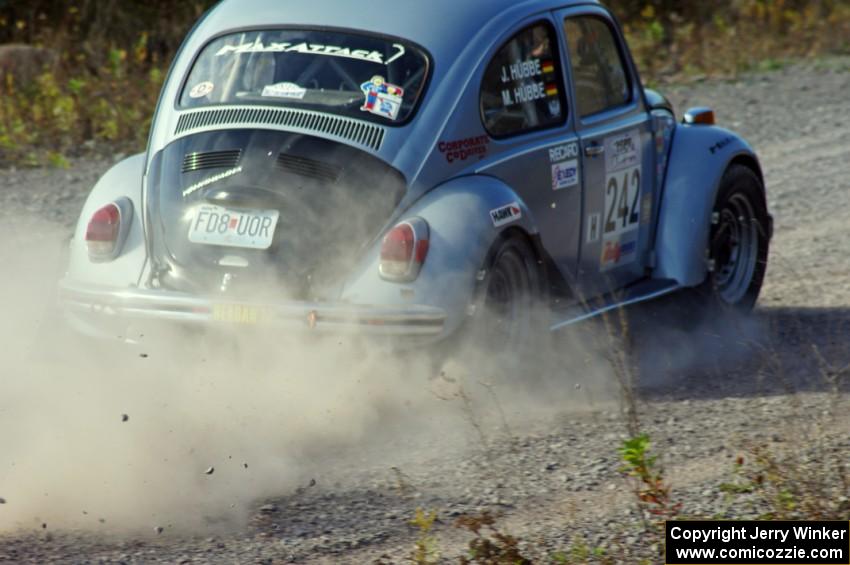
x=187, y=433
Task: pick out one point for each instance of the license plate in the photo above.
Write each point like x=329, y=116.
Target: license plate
x=214, y=225
x=236, y=314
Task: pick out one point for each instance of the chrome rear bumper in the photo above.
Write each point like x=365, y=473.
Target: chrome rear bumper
x=93, y=305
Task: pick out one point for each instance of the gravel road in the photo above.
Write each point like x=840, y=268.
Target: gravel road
x=552, y=475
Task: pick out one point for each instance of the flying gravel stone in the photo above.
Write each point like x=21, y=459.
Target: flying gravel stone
x=2, y=500
x=124, y=417
x=158, y=530
x=210, y=471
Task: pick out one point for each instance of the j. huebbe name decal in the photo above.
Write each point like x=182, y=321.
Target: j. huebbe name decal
x=527, y=81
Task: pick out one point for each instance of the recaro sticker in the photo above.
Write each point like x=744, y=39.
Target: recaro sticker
x=563, y=152
x=382, y=98
x=623, y=206
x=565, y=165
x=506, y=214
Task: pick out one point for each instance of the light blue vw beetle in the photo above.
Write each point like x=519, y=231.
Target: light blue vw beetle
x=408, y=169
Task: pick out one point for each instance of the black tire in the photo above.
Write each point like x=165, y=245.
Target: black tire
x=738, y=243
x=508, y=330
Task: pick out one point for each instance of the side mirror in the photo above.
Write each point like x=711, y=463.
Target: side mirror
x=701, y=116
x=658, y=101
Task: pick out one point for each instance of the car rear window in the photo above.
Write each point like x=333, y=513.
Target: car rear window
x=522, y=89
x=359, y=75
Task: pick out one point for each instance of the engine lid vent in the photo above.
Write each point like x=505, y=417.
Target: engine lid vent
x=356, y=131
x=310, y=168
x=211, y=160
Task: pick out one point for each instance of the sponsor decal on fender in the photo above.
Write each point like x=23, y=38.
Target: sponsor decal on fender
x=463, y=149
x=720, y=145
x=506, y=214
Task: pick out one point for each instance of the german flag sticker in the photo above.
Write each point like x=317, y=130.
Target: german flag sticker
x=551, y=89
x=548, y=67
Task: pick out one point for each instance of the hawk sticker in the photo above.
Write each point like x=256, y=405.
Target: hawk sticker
x=506, y=214
x=382, y=98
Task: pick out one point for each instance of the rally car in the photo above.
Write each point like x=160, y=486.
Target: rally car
x=411, y=169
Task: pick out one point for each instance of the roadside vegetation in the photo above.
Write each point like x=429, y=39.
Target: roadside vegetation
x=92, y=71
x=802, y=473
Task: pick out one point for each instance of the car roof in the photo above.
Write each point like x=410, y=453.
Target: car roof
x=442, y=27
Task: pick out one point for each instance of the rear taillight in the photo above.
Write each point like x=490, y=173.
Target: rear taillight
x=404, y=250
x=107, y=230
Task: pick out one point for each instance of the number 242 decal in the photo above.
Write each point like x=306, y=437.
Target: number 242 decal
x=622, y=200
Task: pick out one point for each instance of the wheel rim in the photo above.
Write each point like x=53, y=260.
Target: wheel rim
x=735, y=245
x=507, y=303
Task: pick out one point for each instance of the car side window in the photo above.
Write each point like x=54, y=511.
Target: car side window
x=522, y=89
x=599, y=73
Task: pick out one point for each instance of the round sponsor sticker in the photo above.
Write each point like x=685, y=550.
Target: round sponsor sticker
x=201, y=90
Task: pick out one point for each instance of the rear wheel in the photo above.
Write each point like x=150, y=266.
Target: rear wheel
x=508, y=328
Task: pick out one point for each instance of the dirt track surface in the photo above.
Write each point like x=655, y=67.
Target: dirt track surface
x=553, y=477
